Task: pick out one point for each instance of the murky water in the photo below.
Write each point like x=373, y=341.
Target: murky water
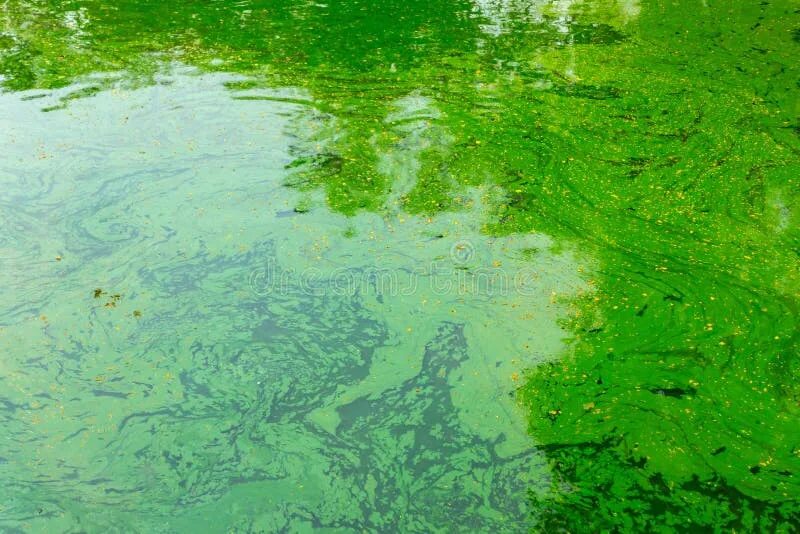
x=419, y=267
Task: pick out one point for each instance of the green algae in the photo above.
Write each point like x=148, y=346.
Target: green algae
x=660, y=139
x=294, y=368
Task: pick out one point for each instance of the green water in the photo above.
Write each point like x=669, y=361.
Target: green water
x=488, y=266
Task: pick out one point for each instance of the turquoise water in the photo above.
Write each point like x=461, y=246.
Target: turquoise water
x=186, y=349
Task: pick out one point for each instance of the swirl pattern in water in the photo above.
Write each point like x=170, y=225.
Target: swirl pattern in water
x=189, y=337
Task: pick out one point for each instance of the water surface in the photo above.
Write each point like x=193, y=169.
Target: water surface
x=420, y=267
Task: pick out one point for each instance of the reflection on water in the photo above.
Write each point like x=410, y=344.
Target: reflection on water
x=503, y=15
x=428, y=266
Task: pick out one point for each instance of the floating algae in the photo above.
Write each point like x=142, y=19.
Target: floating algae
x=638, y=159
x=290, y=371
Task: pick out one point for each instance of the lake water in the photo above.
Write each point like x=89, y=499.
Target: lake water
x=465, y=266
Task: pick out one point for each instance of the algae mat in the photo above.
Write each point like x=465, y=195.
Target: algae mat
x=418, y=266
